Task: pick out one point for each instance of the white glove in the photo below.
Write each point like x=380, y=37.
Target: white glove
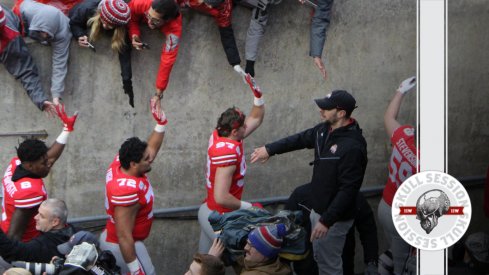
x=407, y=85
x=241, y=72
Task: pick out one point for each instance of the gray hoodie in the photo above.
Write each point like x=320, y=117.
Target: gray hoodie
x=37, y=18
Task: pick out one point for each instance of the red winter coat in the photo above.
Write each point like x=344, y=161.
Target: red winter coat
x=172, y=31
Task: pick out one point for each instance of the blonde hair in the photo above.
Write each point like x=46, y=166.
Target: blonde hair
x=118, y=37
x=17, y=271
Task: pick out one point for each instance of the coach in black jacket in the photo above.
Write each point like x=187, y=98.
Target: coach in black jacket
x=51, y=220
x=340, y=159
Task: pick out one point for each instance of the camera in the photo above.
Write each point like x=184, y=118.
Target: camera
x=39, y=268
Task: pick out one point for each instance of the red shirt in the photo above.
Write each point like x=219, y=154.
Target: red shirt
x=223, y=152
x=125, y=190
x=23, y=193
x=172, y=30
x=403, y=161
x=222, y=13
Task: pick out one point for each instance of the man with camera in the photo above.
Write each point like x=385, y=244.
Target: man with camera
x=81, y=256
x=51, y=221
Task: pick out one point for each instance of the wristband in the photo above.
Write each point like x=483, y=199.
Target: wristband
x=63, y=137
x=160, y=128
x=258, y=101
x=133, y=266
x=245, y=205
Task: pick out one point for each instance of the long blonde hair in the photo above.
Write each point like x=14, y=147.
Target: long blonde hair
x=118, y=38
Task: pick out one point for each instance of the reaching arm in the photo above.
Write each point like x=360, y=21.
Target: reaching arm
x=61, y=52
x=156, y=138
x=257, y=113
x=392, y=111
x=18, y=224
x=58, y=146
x=319, y=27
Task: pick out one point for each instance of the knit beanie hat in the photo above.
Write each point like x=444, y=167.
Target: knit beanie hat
x=2, y=17
x=115, y=12
x=268, y=239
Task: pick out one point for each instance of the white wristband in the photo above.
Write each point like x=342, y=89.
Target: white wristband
x=133, y=266
x=160, y=128
x=63, y=137
x=259, y=101
x=245, y=205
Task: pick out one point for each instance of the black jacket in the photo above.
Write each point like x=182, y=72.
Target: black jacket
x=79, y=16
x=340, y=160
x=39, y=250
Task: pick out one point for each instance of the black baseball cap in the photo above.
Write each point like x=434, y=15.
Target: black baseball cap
x=76, y=239
x=340, y=99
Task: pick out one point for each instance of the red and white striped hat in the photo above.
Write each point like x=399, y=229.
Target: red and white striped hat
x=115, y=12
x=2, y=17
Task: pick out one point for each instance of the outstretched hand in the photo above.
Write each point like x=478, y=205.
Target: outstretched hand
x=217, y=248
x=260, y=154
x=407, y=85
x=49, y=109
x=254, y=87
x=320, y=65
x=158, y=113
x=68, y=121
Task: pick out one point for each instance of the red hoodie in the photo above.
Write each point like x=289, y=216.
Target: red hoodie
x=172, y=31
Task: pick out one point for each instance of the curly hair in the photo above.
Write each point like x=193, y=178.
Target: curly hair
x=131, y=150
x=231, y=119
x=31, y=150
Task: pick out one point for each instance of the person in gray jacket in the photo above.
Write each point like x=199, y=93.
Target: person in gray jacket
x=319, y=27
x=17, y=60
x=49, y=26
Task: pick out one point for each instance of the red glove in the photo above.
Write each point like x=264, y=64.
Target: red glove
x=158, y=115
x=68, y=122
x=254, y=87
x=257, y=204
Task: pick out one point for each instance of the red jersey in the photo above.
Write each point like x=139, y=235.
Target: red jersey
x=222, y=13
x=125, y=190
x=23, y=193
x=224, y=152
x=403, y=162
x=172, y=30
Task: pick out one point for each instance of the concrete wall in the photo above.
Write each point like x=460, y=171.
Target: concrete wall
x=371, y=47
x=468, y=111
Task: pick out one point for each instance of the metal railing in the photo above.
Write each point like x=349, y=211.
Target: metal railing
x=190, y=211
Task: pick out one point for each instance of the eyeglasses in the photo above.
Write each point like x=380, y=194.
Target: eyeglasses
x=153, y=20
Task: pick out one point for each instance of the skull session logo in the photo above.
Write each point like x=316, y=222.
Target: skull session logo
x=429, y=207
x=431, y=210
